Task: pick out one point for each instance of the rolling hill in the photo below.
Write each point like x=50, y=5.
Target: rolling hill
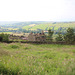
x=46, y=26
x=36, y=25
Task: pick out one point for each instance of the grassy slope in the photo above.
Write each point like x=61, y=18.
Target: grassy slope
x=50, y=25
x=29, y=59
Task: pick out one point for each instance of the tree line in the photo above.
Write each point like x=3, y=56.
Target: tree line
x=68, y=37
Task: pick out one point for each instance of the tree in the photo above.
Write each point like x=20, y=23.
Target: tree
x=59, y=37
x=69, y=37
x=50, y=33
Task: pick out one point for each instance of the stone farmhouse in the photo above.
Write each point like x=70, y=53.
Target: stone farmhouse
x=37, y=37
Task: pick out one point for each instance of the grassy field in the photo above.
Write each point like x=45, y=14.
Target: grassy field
x=35, y=59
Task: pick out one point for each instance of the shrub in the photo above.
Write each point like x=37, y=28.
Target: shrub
x=5, y=37
x=59, y=37
x=1, y=38
x=69, y=37
x=50, y=34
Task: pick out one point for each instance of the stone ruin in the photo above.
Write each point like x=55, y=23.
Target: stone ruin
x=37, y=36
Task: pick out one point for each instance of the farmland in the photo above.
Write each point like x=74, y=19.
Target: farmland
x=46, y=26
x=26, y=27
x=37, y=59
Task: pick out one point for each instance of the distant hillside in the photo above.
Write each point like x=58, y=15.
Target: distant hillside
x=35, y=25
x=46, y=26
x=16, y=24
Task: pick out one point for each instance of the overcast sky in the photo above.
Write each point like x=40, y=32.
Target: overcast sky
x=37, y=10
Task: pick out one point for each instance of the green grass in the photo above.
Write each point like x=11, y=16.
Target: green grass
x=26, y=27
x=35, y=59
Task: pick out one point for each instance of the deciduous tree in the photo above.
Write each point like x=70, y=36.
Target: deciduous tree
x=59, y=37
x=50, y=34
x=69, y=37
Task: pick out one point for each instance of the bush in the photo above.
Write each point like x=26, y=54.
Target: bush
x=69, y=37
x=5, y=37
x=1, y=38
x=59, y=37
x=50, y=34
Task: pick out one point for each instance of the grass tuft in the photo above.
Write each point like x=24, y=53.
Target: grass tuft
x=14, y=46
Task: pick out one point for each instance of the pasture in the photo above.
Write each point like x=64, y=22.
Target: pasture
x=37, y=59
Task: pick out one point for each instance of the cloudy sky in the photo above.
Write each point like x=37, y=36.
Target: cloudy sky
x=37, y=10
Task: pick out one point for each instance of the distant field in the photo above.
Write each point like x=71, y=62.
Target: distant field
x=37, y=26
x=46, y=26
x=17, y=34
x=6, y=32
x=33, y=59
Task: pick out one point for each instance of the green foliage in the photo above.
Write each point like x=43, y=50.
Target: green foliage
x=69, y=37
x=5, y=37
x=59, y=37
x=34, y=26
x=50, y=33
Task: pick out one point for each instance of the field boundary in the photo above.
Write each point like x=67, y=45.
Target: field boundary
x=38, y=42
